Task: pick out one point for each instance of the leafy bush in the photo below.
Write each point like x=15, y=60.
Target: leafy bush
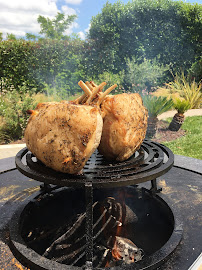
x=143, y=74
x=15, y=59
x=55, y=63
x=58, y=65
x=13, y=107
x=57, y=94
x=111, y=78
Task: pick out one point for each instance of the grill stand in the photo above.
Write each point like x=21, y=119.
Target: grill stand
x=46, y=188
x=89, y=225
x=153, y=162
x=154, y=189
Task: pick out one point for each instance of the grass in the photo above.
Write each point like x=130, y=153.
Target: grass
x=189, y=145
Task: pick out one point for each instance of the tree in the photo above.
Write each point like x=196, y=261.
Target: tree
x=11, y=36
x=54, y=29
x=167, y=30
x=31, y=36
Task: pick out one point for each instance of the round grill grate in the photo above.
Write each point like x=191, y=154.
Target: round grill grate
x=149, y=162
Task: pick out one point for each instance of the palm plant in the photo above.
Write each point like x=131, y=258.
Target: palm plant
x=181, y=105
x=155, y=106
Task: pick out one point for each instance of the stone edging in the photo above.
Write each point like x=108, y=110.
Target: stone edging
x=9, y=146
x=193, y=112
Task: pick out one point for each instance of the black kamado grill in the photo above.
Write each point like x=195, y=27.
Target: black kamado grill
x=150, y=223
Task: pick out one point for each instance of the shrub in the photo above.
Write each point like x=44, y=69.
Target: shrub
x=46, y=62
x=144, y=74
x=13, y=107
x=111, y=78
x=188, y=89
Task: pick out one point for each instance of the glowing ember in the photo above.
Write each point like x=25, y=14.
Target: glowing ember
x=124, y=249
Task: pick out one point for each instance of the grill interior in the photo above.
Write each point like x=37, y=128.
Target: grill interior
x=59, y=234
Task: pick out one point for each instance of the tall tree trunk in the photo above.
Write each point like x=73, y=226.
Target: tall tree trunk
x=151, y=127
x=177, y=121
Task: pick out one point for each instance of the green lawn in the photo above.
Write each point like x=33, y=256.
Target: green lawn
x=189, y=145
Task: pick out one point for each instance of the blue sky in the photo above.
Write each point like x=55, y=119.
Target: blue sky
x=20, y=16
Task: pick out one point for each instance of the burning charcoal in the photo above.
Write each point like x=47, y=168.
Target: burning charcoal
x=125, y=250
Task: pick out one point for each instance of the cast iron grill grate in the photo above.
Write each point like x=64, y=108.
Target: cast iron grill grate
x=149, y=162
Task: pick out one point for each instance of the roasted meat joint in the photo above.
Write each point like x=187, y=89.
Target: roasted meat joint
x=63, y=135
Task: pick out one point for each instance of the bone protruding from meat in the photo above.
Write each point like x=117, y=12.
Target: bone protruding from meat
x=85, y=88
x=90, y=86
x=93, y=84
x=91, y=90
x=106, y=93
x=94, y=92
x=80, y=99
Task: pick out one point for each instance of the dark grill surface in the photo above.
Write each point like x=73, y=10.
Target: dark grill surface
x=149, y=162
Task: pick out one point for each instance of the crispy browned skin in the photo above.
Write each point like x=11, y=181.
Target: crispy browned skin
x=124, y=127
x=63, y=136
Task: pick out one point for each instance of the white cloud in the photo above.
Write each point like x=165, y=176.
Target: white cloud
x=67, y=10
x=69, y=31
x=44, y=6
x=20, y=16
x=87, y=29
x=73, y=2
x=81, y=35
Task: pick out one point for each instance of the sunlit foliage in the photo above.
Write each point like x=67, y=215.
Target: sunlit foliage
x=167, y=30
